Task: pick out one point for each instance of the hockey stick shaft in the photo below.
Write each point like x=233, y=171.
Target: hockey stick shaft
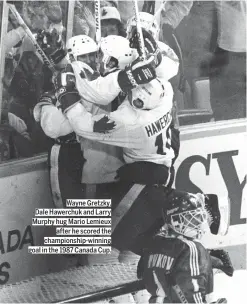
x=139, y=30
x=97, y=20
x=41, y=54
x=162, y=6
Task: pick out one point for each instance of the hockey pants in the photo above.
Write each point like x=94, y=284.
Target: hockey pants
x=138, y=212
x=137, y=201
x=66, y=163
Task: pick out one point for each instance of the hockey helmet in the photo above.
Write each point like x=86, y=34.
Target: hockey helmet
x=186, y=214
x=81, y=45
x=116, y=49
x=147, y=21
x=147, y=96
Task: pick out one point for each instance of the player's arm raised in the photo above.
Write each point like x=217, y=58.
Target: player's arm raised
x=103, y=90
x=166, y=61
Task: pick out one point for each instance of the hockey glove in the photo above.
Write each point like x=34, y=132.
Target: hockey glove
x=66, y=78
x=103, y=125
x=66, y=91
x=151, y=46
x=221, y=260
x=138, y=72
x=52, y=45
x=48, y=98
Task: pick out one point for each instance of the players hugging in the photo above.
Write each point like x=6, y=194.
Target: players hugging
x=110, y=116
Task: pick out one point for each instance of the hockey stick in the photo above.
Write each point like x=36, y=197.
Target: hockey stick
x=148, y=7
x=125, y=204
x=97, y=20
x=139, y=30
x=162, y=6
x=40, y=53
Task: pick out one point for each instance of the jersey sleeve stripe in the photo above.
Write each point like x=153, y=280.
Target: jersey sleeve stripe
x=194, y=264
x=198, y=297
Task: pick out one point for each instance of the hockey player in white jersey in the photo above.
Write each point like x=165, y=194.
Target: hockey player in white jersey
x=92, y=88
x=138, y=170
x=142, y=126
x=102, y=161
x=137, y=128
x=166, y=58
x=102, y=90
x=167, y=61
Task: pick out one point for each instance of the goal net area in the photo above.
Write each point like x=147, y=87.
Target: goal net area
x=84, y=284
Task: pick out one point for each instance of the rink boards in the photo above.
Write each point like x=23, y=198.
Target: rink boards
x=212, y=160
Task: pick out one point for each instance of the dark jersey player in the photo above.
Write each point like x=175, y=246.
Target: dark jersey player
x=175, y=266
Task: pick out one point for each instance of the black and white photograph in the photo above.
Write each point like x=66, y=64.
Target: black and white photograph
x=123, y=143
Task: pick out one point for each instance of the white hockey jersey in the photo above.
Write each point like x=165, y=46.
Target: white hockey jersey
x=103, y=90
x=102, y=160
x=144, y=135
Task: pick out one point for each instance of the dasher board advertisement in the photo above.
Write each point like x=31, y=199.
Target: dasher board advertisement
x=212, y=160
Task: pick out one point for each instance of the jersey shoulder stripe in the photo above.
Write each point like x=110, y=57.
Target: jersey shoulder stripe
x=193, y=258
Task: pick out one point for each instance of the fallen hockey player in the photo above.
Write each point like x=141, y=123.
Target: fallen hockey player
x=175, y=266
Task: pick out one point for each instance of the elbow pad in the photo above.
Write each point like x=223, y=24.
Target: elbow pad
x=67, y=99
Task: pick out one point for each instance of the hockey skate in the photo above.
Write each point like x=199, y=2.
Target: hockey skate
x=221, y=260
x=218, y=209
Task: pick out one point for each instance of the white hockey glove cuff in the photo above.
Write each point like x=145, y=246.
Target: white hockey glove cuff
x=48, y=98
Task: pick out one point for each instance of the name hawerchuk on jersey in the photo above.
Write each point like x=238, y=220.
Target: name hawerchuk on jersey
x=160, y=124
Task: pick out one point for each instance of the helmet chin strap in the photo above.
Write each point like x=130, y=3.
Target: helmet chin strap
x=84, y=65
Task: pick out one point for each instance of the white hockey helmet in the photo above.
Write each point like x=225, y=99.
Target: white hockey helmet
x=116, y=47
x=147, y=96
x=81, y=45
x=148, y=22
x=186, y=214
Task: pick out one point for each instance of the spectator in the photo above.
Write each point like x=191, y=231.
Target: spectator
x=127, y=10
x=227, y=67
x=172, y=14
x=109, y=3
x=111, y=22
x=38, y=16
x=25, y=76
x=25, y=89
x=170, y=18
x=84, y=23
